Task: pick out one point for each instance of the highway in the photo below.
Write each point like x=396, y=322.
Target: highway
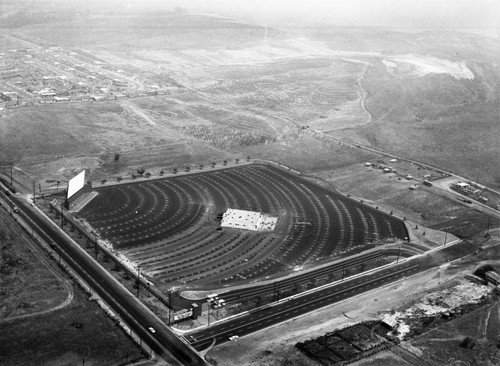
x=136, y=315
x=289, y=308
x=289, y=283
x=300, y=304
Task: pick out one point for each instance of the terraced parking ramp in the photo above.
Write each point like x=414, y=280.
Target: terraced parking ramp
x=171, y=228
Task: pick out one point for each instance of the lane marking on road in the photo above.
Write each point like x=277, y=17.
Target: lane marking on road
x=296, y=309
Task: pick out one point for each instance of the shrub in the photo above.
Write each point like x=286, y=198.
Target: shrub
x=468, y=342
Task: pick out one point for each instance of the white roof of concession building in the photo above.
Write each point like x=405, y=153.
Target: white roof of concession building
x=248, y=220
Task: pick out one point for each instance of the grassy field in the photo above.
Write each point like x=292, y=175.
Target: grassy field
x=39, y=303
x=241, y=95
x=28, y=285
x=436, y=119
x=81, y=331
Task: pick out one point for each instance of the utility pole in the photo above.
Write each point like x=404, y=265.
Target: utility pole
x=34, y=190
x=11, y=167
x=138, y=282
x=169, y=306
x=96, y=250
x=445, y=236
x=62, y=214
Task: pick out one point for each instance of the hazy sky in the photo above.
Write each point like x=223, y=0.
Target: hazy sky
x=385, y=13
x=390, y=13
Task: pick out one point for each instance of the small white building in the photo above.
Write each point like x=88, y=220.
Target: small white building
x=248, y=220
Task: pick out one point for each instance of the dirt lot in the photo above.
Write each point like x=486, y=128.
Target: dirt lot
x=426, y=206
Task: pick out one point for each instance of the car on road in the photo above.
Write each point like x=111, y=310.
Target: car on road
x=15, y=209
x=233, y=338
x=152, y=330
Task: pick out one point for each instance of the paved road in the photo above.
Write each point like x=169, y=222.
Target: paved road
x=137, y=316
x=289, y=283
x=444, y=185
x=305, y=303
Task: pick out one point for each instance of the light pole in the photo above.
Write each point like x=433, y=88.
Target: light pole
x=209, y=308
x=210, y=299
x=218, y=304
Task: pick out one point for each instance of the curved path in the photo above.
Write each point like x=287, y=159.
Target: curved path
x=65, y=303
x=364, y=94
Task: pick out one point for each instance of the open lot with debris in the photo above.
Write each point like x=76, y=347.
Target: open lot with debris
x=410, y=293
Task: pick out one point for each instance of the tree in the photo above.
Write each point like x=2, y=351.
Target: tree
x=141, y=171
x=162, y=172
x=117, y=156
x=237, y=160
x=258, y=301
x=103, y=181
x=188, y=168
x=224, y=162
x=468, y=342
x=248, y=158
x=58, y=182
x=148, y=174
x=201, y=166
